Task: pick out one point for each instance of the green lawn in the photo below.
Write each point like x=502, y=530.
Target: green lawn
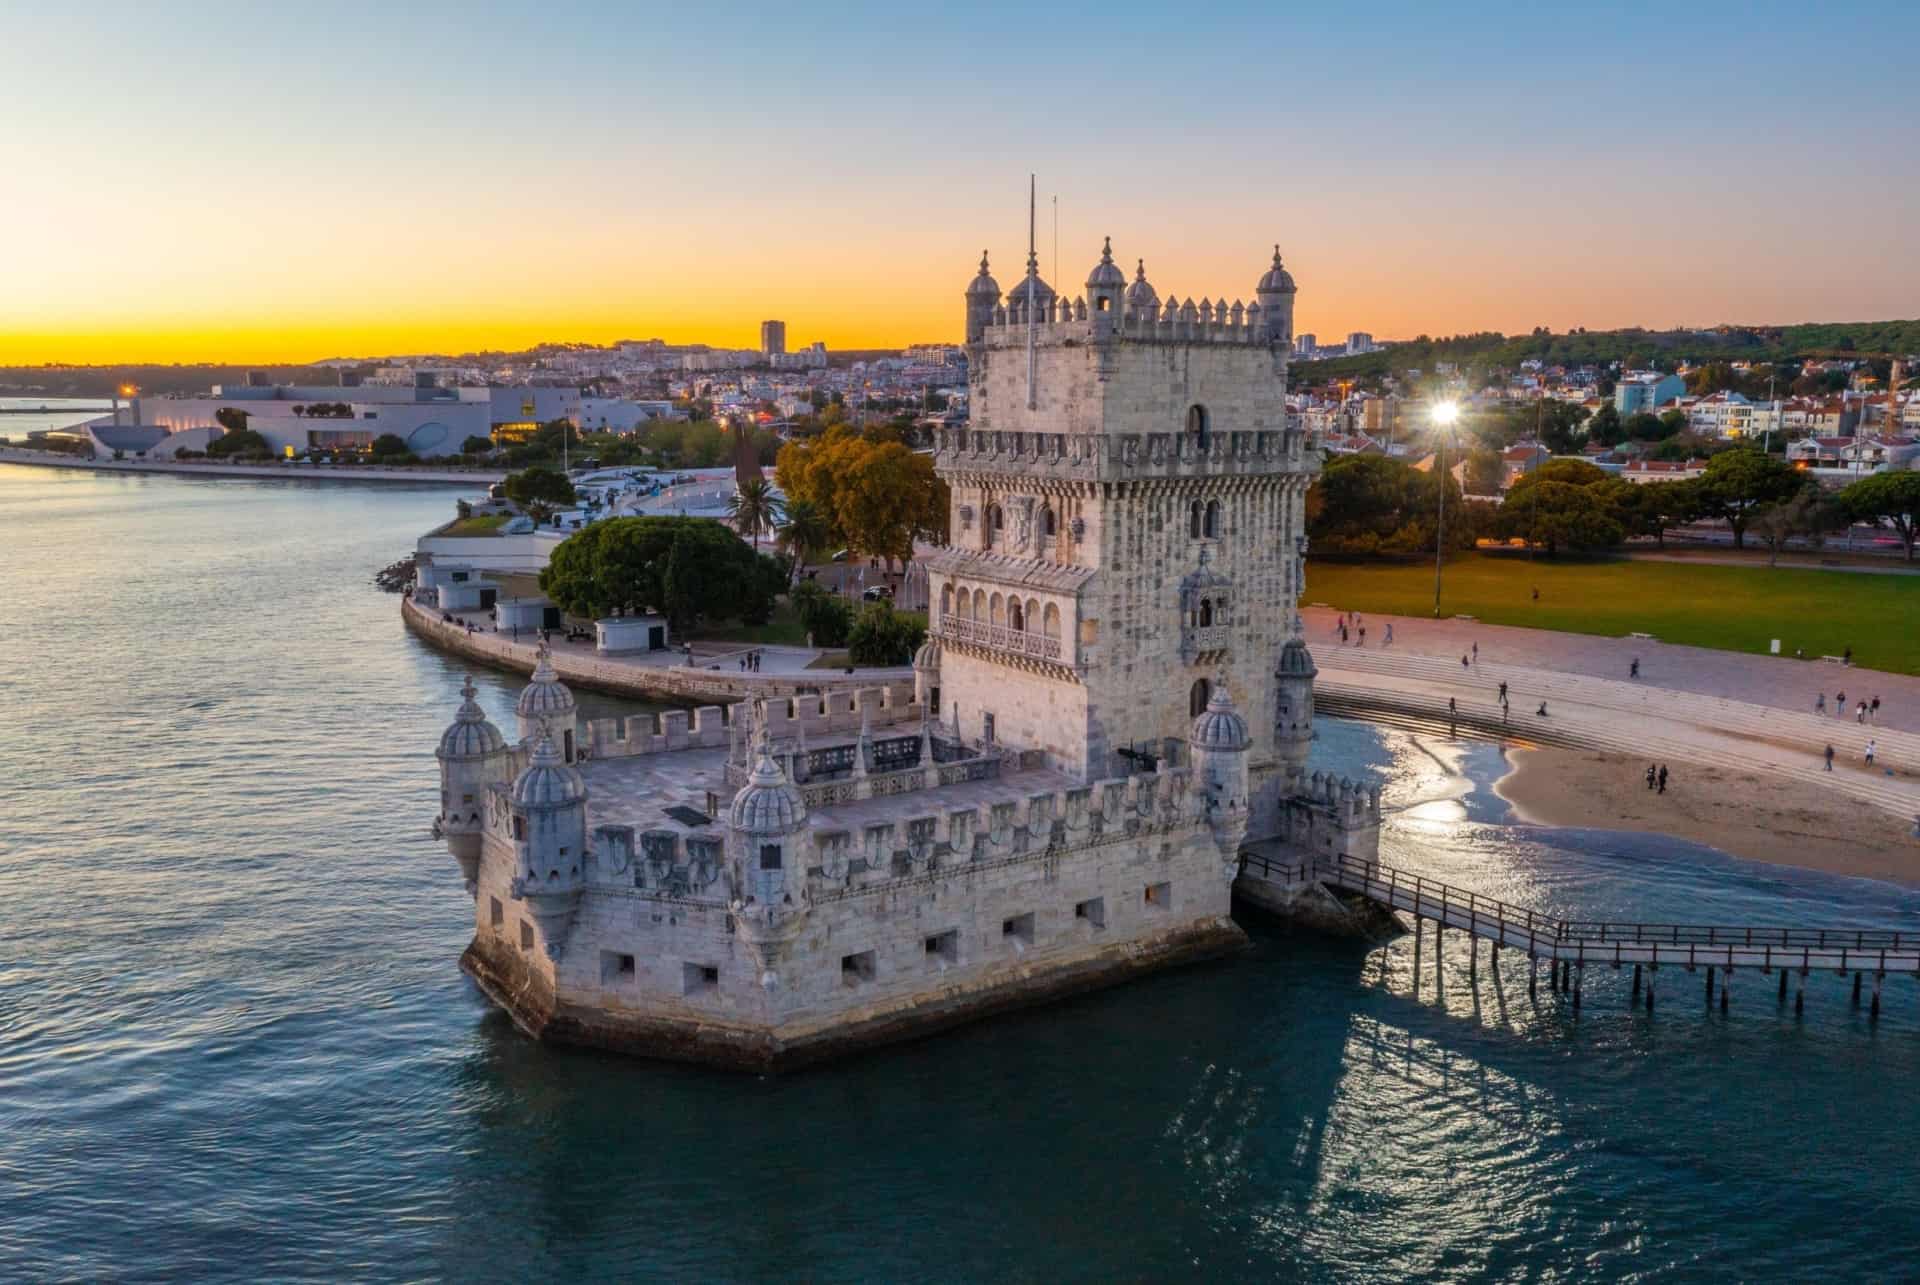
x=1733, y=608
x=489, y=524
x=784, y=629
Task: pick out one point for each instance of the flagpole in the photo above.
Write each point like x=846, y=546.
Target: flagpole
x=1033, y=297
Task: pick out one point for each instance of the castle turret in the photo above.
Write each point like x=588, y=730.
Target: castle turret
x=549, y=802
x=926, y=677
x=545, y=702
x=473, y=758
x=1276, y=291
x=1143, y=302
x=1219, y=742
x=1106, y=287
x=983, y=296
x=1293, y=706
x=765, y=826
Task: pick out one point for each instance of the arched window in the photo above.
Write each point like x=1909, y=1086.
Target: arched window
x=997, y=610
x=1197, y=425
x=980, y=605
x=990, y=524
x=1206, y=612
x=946, y=601
x=1198, y=697
x=1052, y=621
x=1212, y=525
x=1194, y=520
x=1016, y=617
x=1033, y=614
x=1049, y=525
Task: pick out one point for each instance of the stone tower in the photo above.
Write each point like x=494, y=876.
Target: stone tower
x=473, y=758
x=549, y=820
x=1293, y=706
x=1218, y=739
x=1127, y=517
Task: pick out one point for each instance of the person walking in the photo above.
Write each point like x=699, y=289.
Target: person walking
x=1840, y=705
x=1869, y=751
x=1650, y=776
x=1829, y=758
x=1464, y=663
x=1820, y=703
x=1633, y=670
x=1860, y=714
x=1503, y=692
x=1542, y=711
x=1363, y=635
x=1873, y=710
x=1388, y=640
x=1476, y=653
x=1846, y=656
x=1663, y=778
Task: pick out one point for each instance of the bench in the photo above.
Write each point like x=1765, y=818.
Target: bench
x=1642, y=637
x=1835, y=660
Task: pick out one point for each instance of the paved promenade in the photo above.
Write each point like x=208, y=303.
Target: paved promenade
x=1659, y=717
x=715, y=677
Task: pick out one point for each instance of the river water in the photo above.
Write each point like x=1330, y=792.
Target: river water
x=234, y=1042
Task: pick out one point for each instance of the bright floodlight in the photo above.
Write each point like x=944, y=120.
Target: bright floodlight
x=1444, y=413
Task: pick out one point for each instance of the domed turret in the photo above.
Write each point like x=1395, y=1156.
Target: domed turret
x=545, y=700
x=1142, y=301
x=926, y=672
x=1031, y=290
x=1105, y=284
x=765, y=822
x=1293, y=705
x=473, y=758
x=1276, y=291
x=1219, y=726
x=549, y=801
x=1218, y=741
x=983, y=295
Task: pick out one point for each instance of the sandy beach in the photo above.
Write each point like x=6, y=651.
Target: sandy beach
x=1749, y=814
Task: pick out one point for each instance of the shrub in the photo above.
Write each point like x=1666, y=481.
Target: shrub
x=827, y=618
x=883, y=636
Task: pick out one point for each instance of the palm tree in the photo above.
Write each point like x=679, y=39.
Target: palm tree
x=805, y=533
x=754, y=508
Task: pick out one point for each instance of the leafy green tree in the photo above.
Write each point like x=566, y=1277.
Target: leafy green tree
x=1562, y=515
x=231, y=418
x=238, y=442
x=389, y=446
x=477, y=445
x=805, y=533
x=1485, y=472
x=1605, y=426
x=1741, y=480
x=1887, y=499
x=537, y=485
x=754, y=508
x=826, y=617
x=1372, y=504
x=883, y=636
x=1805, y=513
x=688, y=569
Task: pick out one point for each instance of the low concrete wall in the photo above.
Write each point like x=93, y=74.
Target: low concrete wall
x=679, y=684
x=476, y=478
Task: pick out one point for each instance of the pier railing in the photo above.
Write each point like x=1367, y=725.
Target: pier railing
x=1602, y=942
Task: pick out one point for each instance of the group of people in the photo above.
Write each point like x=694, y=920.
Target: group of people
x=1866, y=757
x=1657, y=778
x=1866, y=711
x=1350, y=627
x=751, y=661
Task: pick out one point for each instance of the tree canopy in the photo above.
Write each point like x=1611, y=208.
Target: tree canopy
x=1374, y=504
x=537, y=486
x=687, y=569
x=877, y=496
x=1739, y=481
x=1888, y=499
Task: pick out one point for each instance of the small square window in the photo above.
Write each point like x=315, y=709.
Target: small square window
x=698, y=979
x=1093, y=912
x=615, y=968
x=526, y=935
x=769, y=856
x=520, y=828
x=1018, y=930
x=856, y=969
x=497, y=915
x=1159, y=896
x=944, y=948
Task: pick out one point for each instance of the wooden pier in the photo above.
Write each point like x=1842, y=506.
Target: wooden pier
x=1570, y=947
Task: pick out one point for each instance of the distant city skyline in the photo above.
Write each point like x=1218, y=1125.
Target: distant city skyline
x=248, y=185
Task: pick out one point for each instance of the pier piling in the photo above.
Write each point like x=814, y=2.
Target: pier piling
x=1726, y=984
x=1800, y=994
x=1709, y=985
x=1636, y=986
x=1579, y=975
x=1651, y=974
x=1856, y=988
x=1533, y=976
x=1783, y=986
x=1873, y=1014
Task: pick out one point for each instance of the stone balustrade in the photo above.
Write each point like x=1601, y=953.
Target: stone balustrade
x=1014, y=642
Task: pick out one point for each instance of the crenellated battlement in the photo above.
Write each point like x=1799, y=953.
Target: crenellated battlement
x=709, y=726
x=1067, y=321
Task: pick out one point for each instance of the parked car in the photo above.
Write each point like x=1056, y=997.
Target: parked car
x=840, y=556
x=878, y=593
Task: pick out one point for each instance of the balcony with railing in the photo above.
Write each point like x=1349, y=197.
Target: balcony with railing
x=1015, y=642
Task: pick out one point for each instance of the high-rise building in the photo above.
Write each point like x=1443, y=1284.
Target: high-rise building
x=1306, y=345
x=773, y=338
x=1358, y=342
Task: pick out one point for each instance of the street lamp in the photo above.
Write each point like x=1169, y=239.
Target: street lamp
x=1444, y=414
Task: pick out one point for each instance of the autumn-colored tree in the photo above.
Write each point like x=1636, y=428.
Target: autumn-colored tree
x=879, y=497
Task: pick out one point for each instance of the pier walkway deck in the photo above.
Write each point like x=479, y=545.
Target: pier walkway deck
x=1569, y=946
